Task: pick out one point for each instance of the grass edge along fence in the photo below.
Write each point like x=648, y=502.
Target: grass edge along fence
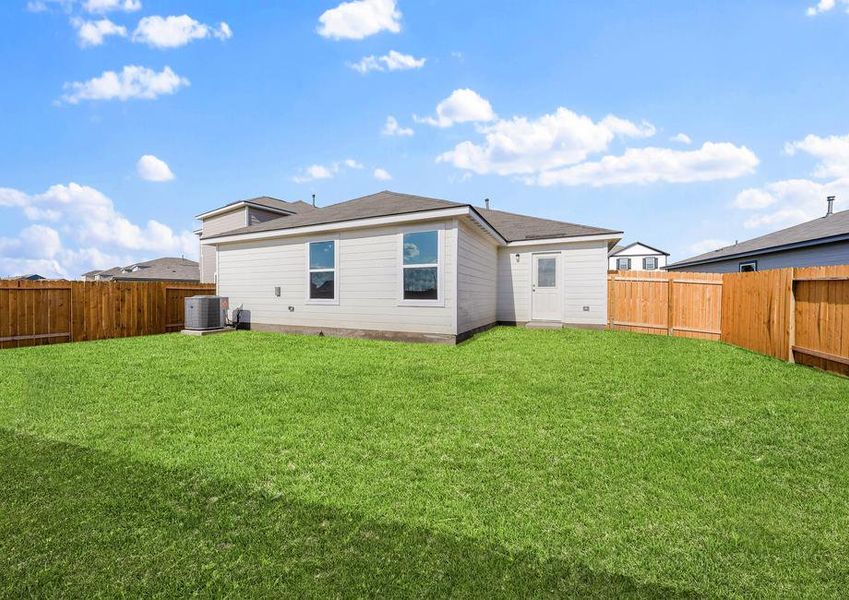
x=34, y=313
x=797, y=314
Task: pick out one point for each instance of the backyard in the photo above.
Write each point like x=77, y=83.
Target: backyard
x=520, y=463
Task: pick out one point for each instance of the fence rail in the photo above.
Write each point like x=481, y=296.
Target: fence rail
x=799, y=315
x=50, y=312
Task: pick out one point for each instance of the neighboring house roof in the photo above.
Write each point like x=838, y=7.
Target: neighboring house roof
x=263, y=202
x=92, y=273
x=160, y=269
x=511, y=227
x=831, y=228
x=618, y=248
x=28, y=277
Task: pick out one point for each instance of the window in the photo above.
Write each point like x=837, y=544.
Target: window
x=650, y=263
x=623, y=264
x=420, y=266
x=749, y=267
x=546, y=272
x=322, y=271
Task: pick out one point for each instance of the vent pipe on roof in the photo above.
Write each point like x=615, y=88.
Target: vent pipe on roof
x=313, y=200
x=830, y=210
x=486, y=202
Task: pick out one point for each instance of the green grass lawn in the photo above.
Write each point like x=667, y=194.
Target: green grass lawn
x=521, y=463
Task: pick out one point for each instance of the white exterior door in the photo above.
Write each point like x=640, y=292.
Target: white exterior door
x=546, y=292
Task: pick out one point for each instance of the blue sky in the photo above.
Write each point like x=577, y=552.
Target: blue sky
x=568, y=110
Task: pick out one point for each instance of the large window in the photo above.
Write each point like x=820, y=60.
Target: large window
x=420, y=266
x=650, y=263
x=322, y=271
x=623, y=264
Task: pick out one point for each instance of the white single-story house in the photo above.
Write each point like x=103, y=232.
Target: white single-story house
x=636, y=257
x=398, y=266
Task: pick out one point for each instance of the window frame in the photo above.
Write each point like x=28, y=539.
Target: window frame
x=746, y=263
x=440, y=266
x=334, y=270
x=626, y=259
x=645, y=263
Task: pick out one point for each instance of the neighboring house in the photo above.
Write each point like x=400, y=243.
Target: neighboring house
x=636, y=257
x=823, y=241
x=242, y=213
x=28, y=277
x=160, y=269
x=400, y=266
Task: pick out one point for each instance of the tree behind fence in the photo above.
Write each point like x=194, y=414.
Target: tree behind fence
x=49, y=312
x=800, y=315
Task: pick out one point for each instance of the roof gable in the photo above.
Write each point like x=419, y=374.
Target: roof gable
x=637, y=249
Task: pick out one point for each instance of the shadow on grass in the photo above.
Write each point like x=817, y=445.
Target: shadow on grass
x=78, y=522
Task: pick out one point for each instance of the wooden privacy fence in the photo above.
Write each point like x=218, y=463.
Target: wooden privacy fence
x=681, y=304
x=799, y=315
x=49, y=312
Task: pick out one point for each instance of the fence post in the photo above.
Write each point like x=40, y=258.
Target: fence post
x=670, y=309
x=791, y=317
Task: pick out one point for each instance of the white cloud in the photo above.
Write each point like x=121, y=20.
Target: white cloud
x=754, y=199
x=793, y=201
x=133, y=82
x=703, y=246
x=393, y=61
x=711, y=162
x=88, y=233
x=317, y=172
x=103, y=6
x=382, y=175
x=359, y=19
x=93, y=33
x=832, y=152
x=681, y=138
x=176, y=31
x=392, y=128
x=151, y=168
x=313, y=173
x=824, y=6
x=523, y=146
x=462, y=106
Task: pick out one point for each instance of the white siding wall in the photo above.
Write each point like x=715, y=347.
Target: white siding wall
x=584, y=276
x=369, y=282
x=226, y=222
x=637, y=261
x=207, y=264
x=476, y=283
x=214, y=226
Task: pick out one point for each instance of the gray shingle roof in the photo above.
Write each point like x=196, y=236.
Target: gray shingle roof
x=160, y=269
x=512, y=227
x=269, y=202
x=822, y=229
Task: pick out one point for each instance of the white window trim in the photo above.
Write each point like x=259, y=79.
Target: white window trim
x=439, y=228
x=656, y=263
x=626, y=258
x=747, y=263
x=335, y=269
